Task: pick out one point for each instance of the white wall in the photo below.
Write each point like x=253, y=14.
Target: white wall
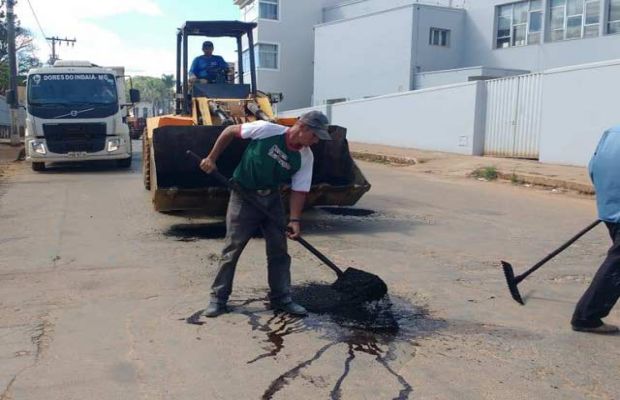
x=433, y=58
x=417, y=119
x=363, y=56
x=356, y=8
x=449, y=77
x=579, y=104
x=480, y=49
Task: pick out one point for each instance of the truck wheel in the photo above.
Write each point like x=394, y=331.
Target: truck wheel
x=38, y=166
x=146, y=163
x=124, y=163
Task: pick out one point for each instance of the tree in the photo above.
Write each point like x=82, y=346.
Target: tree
x=157, y=91
x=24, y=47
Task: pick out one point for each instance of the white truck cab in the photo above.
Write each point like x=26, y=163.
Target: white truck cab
x=76, y=111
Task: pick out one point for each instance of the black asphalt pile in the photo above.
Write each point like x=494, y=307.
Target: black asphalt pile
x=375, y=316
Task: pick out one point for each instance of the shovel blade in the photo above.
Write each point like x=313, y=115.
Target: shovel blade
x=360, y=286
x=512, y=282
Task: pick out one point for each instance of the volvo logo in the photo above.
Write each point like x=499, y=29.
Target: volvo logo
x=73, y=113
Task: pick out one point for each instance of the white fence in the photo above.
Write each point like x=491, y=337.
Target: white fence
x=557, y=116
x=514, y=116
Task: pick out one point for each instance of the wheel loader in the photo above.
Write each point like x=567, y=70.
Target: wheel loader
x=203, y=110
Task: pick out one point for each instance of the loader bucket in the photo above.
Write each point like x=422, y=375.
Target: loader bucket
x=178, y=183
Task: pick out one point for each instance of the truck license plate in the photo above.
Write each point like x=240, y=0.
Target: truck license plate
x=77, y=154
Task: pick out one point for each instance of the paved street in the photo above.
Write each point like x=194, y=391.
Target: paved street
x=95, y=289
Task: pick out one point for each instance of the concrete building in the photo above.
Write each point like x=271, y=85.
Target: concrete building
x=285, y=46
x=324, y=51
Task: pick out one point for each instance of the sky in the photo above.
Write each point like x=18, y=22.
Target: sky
x=137, y=34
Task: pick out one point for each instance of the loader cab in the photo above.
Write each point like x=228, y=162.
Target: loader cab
x=237, y=89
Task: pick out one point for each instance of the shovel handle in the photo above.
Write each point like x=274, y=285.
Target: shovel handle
x=557, y=251
x=232, y=186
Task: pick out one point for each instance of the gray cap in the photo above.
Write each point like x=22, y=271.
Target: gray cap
x=318, y=122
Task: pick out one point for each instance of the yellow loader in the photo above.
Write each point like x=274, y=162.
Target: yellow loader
x=203, y=110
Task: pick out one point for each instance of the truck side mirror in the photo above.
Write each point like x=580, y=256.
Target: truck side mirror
x=134, y=95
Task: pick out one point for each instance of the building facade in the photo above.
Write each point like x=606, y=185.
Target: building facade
x=323, y=52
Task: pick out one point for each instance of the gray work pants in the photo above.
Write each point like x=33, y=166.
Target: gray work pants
x=242, y=222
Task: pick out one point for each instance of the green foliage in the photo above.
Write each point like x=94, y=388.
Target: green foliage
x=24, y=47
x=488, y=173
x=158, y=91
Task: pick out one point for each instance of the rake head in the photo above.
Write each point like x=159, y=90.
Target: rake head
x=512, y=282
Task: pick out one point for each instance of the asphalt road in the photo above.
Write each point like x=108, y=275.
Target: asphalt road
x=95, y=289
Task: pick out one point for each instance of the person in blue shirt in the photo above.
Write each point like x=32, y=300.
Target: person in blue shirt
x=604, y=291
x=209, y=67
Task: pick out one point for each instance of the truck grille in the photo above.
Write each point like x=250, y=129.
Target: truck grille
x=65, y=138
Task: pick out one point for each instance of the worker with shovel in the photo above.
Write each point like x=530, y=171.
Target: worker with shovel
x=276, y=155
x=604, y=291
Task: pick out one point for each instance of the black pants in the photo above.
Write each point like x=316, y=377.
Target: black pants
x=242, y=222
x=604, y=290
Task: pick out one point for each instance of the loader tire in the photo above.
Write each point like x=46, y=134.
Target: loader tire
x=146, y=162
x=38, y=166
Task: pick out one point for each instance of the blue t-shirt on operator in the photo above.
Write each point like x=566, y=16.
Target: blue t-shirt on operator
x=605, y=173
x=208, y=67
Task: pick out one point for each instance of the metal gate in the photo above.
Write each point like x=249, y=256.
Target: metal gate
x=514, y=110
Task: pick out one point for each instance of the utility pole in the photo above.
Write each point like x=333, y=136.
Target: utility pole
x=54, y=40
x=12, y=97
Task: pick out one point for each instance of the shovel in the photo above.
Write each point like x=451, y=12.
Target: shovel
x=513, y=280
x=355, y=285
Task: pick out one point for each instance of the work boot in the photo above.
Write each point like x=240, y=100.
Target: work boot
x=603, y=329
x=290, y=308
x=215, y=309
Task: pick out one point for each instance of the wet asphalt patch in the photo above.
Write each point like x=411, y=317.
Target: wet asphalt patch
x=376, y=329
x=348, y=211
x=195, y=232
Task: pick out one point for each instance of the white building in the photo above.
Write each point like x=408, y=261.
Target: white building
x=325, y=51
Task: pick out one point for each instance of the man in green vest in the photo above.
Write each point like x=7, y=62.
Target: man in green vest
x=276, y=155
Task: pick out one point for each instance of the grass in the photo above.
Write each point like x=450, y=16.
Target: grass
x=488, y=173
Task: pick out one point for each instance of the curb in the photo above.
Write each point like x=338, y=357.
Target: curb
x=383, y=159
x=521, y=178
x=539, y=180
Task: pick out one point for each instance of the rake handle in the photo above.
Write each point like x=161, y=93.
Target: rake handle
x=557, y=251
x=232, y=186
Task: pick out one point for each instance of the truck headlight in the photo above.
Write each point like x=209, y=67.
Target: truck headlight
x=113, y=145
x=38, y=147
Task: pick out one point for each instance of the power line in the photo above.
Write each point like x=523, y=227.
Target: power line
x=39, y=24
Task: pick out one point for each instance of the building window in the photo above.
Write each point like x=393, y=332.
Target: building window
x=269, y=9
x=613, y=17
x=439, y=37
x=249, y=13
x=268, y=56
x=574, y=19
x=519, y=24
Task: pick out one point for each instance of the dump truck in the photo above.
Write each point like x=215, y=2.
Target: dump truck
x=202, y=112
x=76, y=111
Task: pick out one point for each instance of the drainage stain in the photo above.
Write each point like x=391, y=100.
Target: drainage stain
x=348, y=211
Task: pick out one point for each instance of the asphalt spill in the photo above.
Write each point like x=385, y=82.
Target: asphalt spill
x=377, y=329
x=195, y=232
x=348, y=211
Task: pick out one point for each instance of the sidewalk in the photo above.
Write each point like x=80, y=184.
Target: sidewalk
x=519, y=171
x=8, y=155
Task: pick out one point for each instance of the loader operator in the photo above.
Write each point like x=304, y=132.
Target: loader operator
x=604, y=291
x=276, y=155
x=208, y=67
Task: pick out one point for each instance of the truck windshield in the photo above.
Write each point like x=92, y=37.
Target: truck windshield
x=69, y=89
